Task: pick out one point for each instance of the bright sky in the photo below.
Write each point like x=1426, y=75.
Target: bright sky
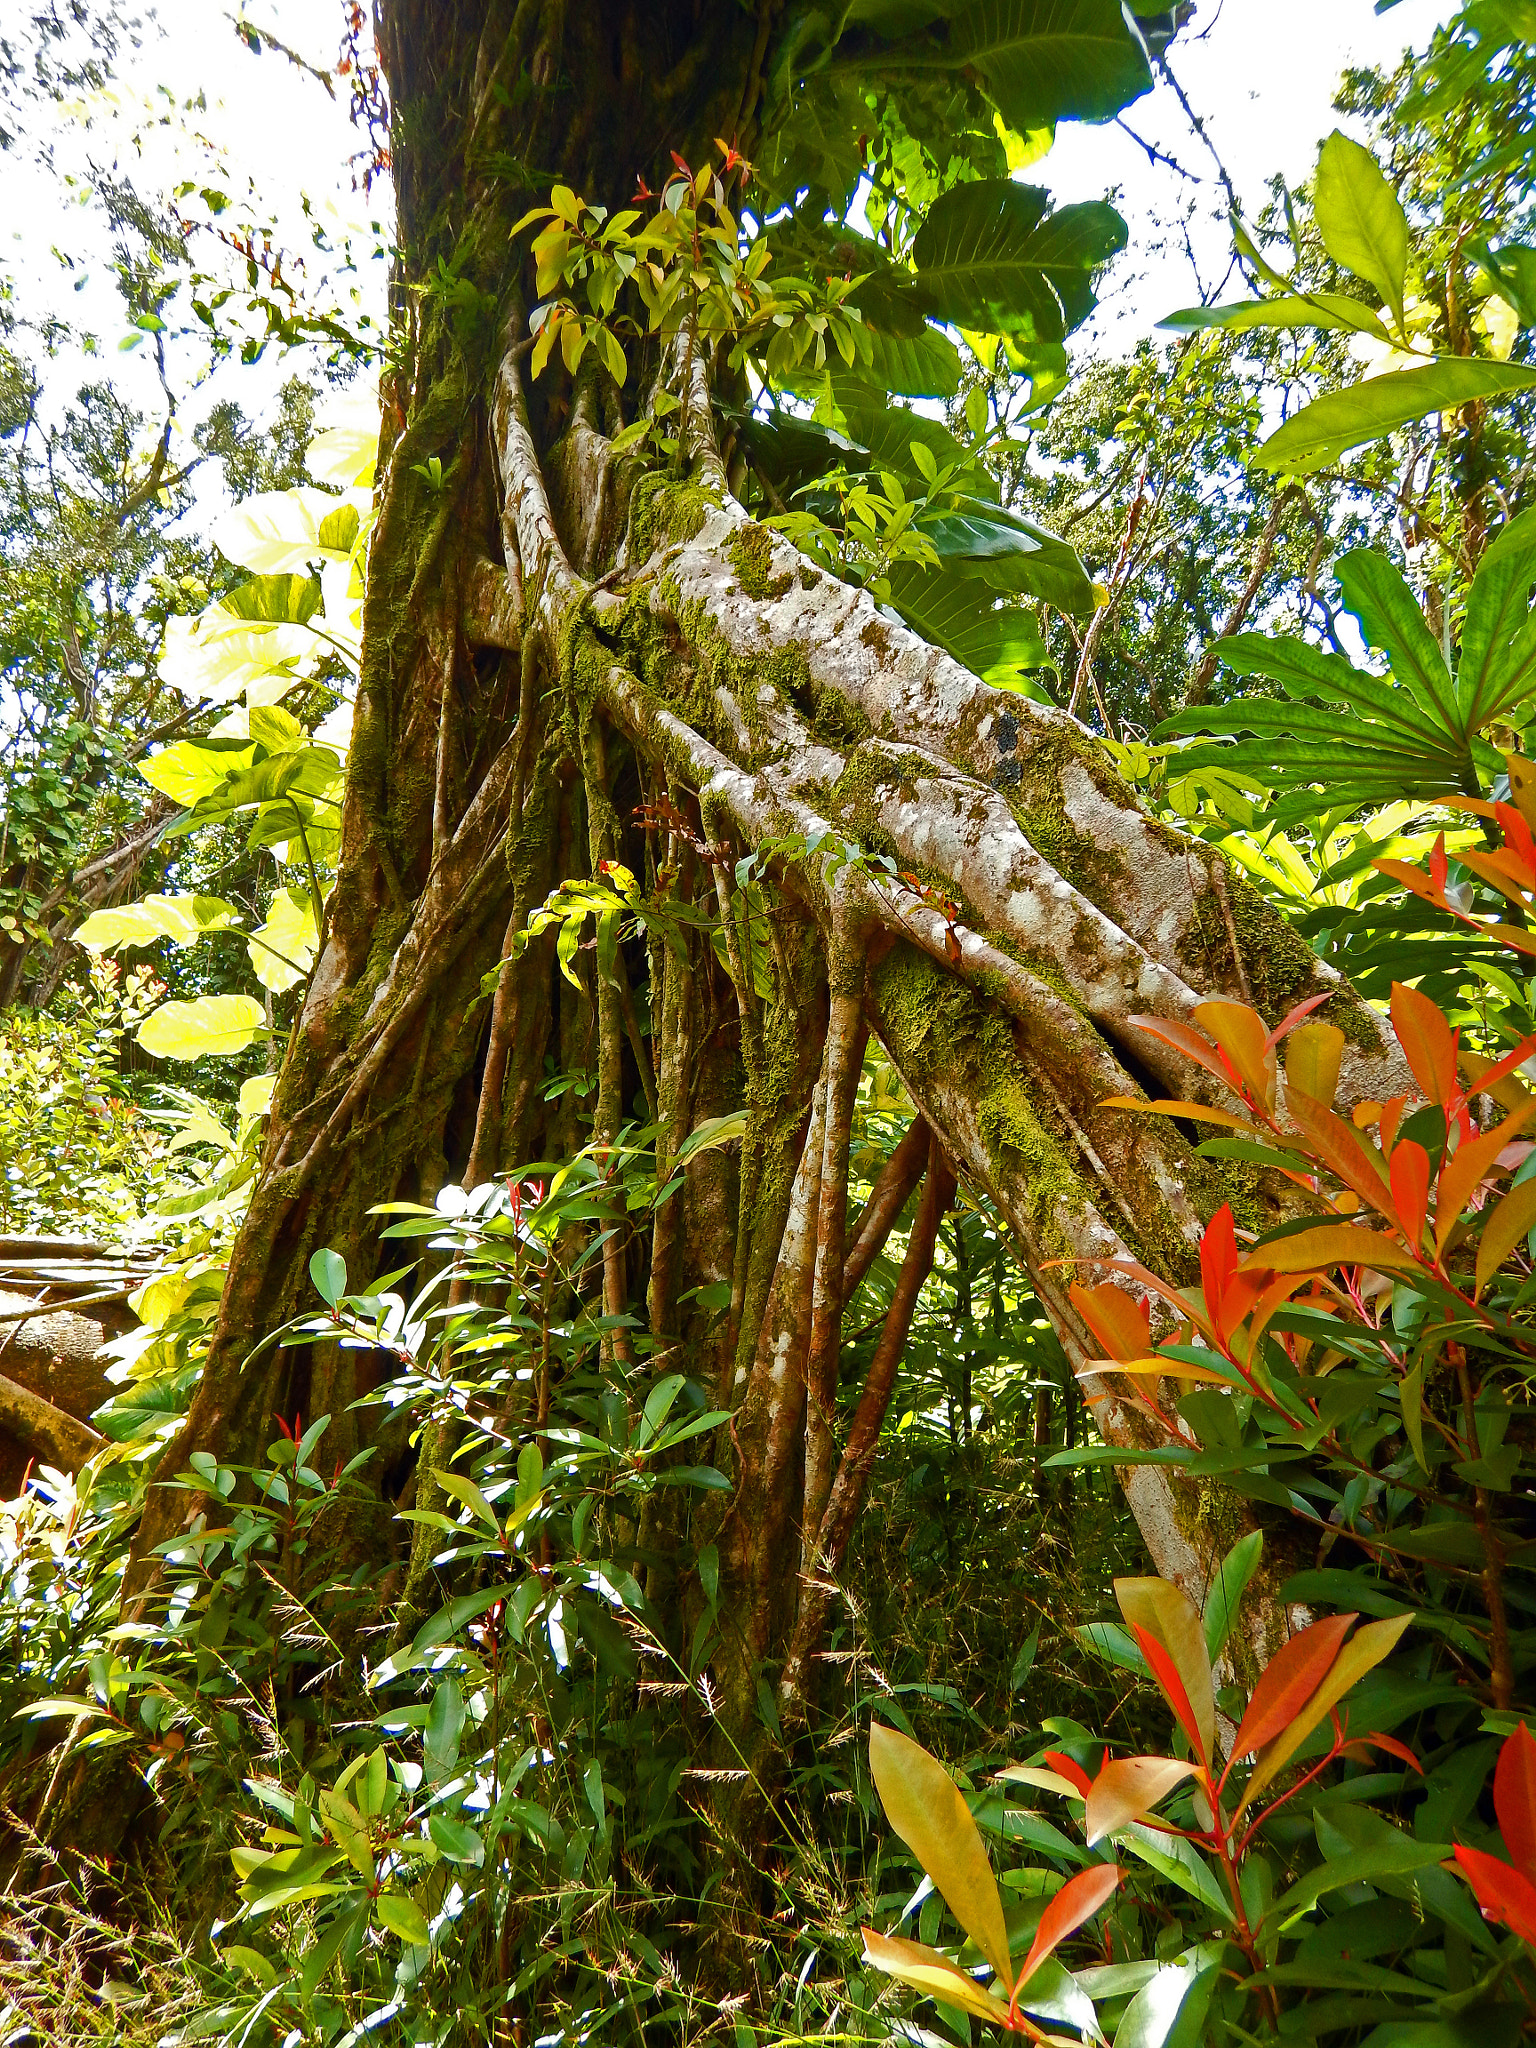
x=1262, y=79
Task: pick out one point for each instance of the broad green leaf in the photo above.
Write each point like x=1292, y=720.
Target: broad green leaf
x=1340, y=420
x=1180, y=1862
x=924, y=1806
x=283, y=950
x=190, y=769
x=328, y=1270
x=456, y=1842
x=1390, y=617
x=928, y=366
x=1008, y=552
x=1227, y=1587
x=991, y=256
x=402, y=1916
x=1498, y=662
x=957, y=611
x=274, y=600
x=1361, y=221
x=1398, y=1856
x=182, y=919
x=218, y=656
x=464, y=1490
x=1149, y=2018
x=208, y=1026
x=1042, y=61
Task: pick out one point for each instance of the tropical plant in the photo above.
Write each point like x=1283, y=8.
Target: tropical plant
x=1250, y=1908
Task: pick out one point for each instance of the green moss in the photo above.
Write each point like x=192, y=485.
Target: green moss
x=750, y=548
x=935, y=1023
x=662, y=510
x=1033, y=780
x=1280, y=966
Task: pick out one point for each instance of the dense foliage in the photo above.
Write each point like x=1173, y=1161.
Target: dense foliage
x=441, y=1739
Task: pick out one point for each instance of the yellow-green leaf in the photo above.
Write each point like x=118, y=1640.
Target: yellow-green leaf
x=1362, y=1653
x=1168, y=1614
x=283, y=950
x=209, y=1025
x=924, y=1806
x=1312, y=1056
x=1512, y=1220
x=926, y=1971
x=1360, y=219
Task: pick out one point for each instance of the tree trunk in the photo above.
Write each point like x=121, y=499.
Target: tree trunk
x=555, y=636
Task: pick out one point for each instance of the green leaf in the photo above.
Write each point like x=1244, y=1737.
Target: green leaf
x=1149, y=2019
x=1180, y=1862
x=192, y=768
x=1042, y=61
x=283, y=950
x=956, y=610
x=403, y=1916
x=1340, y=420
x=465, y=1491
x=274, y=600
x=1498, y=659
x=1398, y=1857
x=991, y=256
x=1361, y=221
x=208, y=1026
x=182, y=919
x=328, y=1270
x=1007, y=551
x=1512, y=270
x=1227, y=1589
x=457, y=1843
x=928, y=366
x=1326, y=310
x=1390, y=618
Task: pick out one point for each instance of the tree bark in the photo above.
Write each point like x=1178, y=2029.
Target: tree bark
x=553, y=637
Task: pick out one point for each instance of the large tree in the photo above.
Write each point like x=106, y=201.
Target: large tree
x=561, y=632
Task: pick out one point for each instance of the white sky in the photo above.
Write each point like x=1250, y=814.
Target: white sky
x=1262, y=78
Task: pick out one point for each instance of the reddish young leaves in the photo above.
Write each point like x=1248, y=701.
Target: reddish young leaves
x=1166, y=1672
x=1409, y=1166
x=1514, y=1798
x=1064, y=1766
x=1505, y=1895
x=1429, y=1044
x=1078, y=1900
x=1289, y=1680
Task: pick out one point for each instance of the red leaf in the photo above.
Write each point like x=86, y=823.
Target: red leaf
x=1122, y=1324
x=1507, y=1065
x=1514, y=1797
x=1428, y=1042
x=1074, y=1773
x=1438, y=865
x=1218, y=1260
x=1504, y=1894
x=1289, y=1680
x=1294, y=1017
x=1193, y=1044
x=1078, y=1900
x=1409, y=1167
x=1166, y=1672
x=1393, y=1747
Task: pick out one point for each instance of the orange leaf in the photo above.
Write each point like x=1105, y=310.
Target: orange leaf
x=1330, y=1244
x=1196, y=1112
x=1393, y=1747
x=1312, y=1061
x=1428, y=1042
x=1293, y=1017
x=1409, y=1168
x=1239, y=1033
x=1129, y=1787
x=1467, y=1167
x=932, y=1974
x=1121, y=1323
x=1336, y=1144
x=1514, y=1797
x=1166, y=1672
x=1289, y=1679
x=1193, y=1044
x=1078, y=1900
x=1067, y=1768
x=1505, y=1895
x=1165, y=1612
x=924, y=1805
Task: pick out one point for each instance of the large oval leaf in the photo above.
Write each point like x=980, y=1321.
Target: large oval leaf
x=1042, y=61
x=209, y=1025
x=991, y=256
x=924, y=1806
